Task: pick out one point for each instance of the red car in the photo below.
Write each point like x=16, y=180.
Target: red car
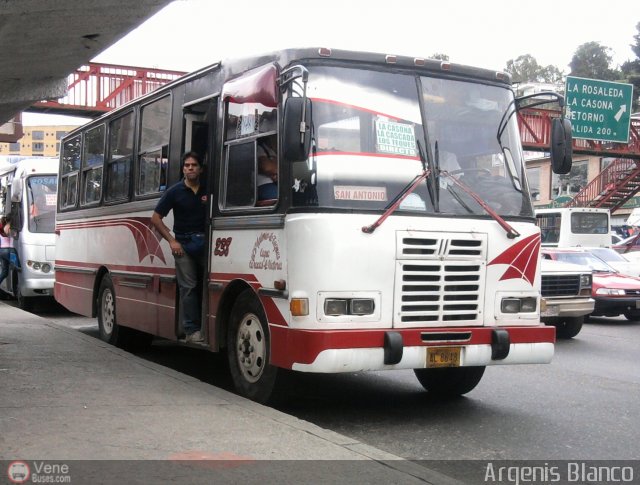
x=614, y=293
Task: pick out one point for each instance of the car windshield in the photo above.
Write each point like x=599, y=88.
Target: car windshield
x=609, y=255
x=370, y=127
x=587, y=260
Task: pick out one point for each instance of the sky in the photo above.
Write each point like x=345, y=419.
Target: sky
x=189, y=34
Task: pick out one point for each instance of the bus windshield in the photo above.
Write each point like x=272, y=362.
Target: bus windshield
x=368, y=129
x=41, y=197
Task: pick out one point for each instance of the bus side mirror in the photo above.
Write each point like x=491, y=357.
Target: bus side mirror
x=561, y=145
x=296, y=137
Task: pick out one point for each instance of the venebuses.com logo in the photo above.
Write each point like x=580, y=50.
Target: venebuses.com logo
x=18, y=472
x=38, y=472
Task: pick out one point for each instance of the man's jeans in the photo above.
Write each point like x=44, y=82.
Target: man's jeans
x=188, y=273
x=4, y=261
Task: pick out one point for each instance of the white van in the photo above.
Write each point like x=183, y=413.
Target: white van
x=574, y=226
x=28, y=194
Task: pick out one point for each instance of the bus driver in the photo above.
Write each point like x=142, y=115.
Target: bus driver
x=188, y=200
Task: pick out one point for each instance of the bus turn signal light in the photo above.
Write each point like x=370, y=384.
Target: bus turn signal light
x=299, y=307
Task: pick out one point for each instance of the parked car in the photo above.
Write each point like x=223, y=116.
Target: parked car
x=614, y=293
x=629, y=247
x=618, y=261
x=566, y=297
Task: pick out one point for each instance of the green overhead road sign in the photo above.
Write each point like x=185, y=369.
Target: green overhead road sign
x=599, y=110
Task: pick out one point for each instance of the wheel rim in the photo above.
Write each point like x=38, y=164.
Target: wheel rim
x=251, y=348
x=108, y=312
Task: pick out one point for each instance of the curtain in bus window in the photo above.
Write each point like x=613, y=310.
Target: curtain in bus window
x=121, y=153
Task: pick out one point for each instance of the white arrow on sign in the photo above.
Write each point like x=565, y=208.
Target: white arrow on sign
x=623, y=109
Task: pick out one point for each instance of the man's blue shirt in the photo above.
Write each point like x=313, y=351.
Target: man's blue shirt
x=189, y=209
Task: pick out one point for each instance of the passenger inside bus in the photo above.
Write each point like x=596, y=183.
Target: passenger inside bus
x=267, y=178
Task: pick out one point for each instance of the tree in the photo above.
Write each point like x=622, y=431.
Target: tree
x=525, y=68
x=636, y=47
x=593, y=60
x=631, y=70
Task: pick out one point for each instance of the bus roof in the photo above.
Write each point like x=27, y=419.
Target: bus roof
x=231, y=68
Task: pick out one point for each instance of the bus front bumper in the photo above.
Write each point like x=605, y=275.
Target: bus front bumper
x=362, y=350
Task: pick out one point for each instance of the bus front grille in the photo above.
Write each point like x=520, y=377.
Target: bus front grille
x=439, y=279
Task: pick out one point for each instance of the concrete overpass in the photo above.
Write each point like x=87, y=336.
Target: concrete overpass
x=43, y=41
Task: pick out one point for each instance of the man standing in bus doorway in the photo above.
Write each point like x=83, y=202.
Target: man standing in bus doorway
x=188, y=200
x=5, y=252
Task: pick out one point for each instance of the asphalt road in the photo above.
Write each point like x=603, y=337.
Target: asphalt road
x=583, y=406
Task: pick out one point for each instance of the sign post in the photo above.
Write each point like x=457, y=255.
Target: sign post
x=599, y=110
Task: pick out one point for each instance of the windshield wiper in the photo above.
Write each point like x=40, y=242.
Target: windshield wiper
x=432, y=183
x=511, y=232
x=397, y=200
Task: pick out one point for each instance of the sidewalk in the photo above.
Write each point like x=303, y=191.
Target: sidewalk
x=66, y=396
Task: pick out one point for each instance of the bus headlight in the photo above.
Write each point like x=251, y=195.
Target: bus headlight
x=335, y=307
x=362, y=306
x=518, y=305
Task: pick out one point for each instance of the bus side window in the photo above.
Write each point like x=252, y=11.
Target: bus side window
x=240, y=175
x=69, y=173
x=118, y=167
x=155, y=127
x=92, y=162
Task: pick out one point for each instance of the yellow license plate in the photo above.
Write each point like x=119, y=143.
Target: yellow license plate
x=443, y=356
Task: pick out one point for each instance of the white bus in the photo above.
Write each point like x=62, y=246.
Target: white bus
x=402, y=235
x=28, y=200
x=574, y=226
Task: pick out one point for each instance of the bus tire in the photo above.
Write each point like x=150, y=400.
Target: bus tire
x=449, y=381
x=24, y=302
x=107, y=324
x=248, y=349
x=569, y=327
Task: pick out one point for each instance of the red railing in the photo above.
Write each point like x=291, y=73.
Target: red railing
x=611, y=188
x=535, y=125
x=97, y=88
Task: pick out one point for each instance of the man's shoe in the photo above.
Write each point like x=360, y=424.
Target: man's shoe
x=194, y=338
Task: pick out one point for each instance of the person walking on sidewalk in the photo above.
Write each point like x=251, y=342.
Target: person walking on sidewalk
x=188, y=201
x=6, y=246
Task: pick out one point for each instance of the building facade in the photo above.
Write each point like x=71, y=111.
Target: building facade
x=37, y=141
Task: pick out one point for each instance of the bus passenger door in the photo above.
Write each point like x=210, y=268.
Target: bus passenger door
x=199, y=137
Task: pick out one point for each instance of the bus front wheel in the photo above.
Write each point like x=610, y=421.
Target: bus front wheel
x=449, y=381
x=248, y=349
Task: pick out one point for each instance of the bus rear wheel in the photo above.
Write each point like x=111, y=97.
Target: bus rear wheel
x=107, y=324
x=449, y=381
x=248, y=349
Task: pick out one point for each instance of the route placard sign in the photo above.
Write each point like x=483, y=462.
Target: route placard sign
x=599, y=110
